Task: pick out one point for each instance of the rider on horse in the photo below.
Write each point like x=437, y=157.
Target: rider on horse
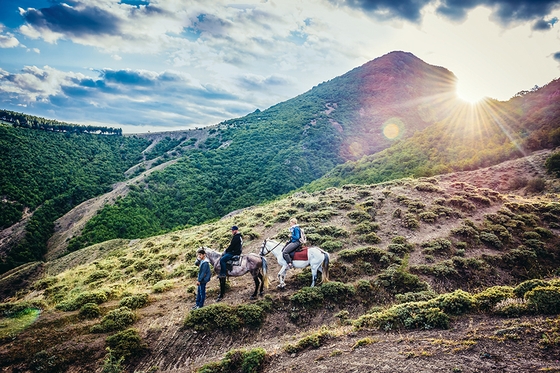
x=233, y=249
x=293, y=244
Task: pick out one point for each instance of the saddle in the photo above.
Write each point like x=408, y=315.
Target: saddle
x=234, y=261
x=299, y=254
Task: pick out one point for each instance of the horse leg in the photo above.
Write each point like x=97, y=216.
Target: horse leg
x=281, y=276
x=254, y=295
x=314, y=276
x=261, y=291
x=222, y=289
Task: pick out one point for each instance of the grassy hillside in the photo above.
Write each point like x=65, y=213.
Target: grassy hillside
x=266, y=154
x=464, y=273
x=46, y=174
x=469, y=138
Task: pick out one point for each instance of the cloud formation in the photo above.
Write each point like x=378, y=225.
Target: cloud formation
x=124, y=96
x=544, y=25
x=7, y=40
x=505, y=12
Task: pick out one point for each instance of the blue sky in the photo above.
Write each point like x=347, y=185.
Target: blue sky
x=176, y=64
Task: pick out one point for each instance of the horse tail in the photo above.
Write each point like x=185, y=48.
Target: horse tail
x=265, y=271
x=325, y=271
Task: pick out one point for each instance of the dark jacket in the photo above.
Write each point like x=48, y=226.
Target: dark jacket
x=204, y=273
x=236, y=245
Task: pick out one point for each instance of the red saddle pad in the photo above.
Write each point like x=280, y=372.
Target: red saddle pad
x=301, y=254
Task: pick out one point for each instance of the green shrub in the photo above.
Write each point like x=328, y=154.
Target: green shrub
x=134, y=301
x=543, y=232
x=117, y=319
x=396, y=280
x=455, y=303
x=414, y=315
x=358, y=216
x=89, y=311
x=251, y=314
x=439, y=245
x=486, y=300
x=96, y=275
x=366, y=227
x=428, y=216
x=126, y=343
x=97, y=297
x=552, y=164
x=363, y=342
x=13, y=309
x=526, y=286
x=221, y=316
x=337, y=292
x=162, y=286
x=372, y=238
x=491, y=239
x=544, y=299
x=314, y=340
x=331, y=246
x=242, y=361
x=415, y=297
x=409, y=221
x=368, y=254
x=308, y=297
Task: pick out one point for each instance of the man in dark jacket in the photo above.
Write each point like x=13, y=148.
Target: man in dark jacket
x=234, y=248
x=204, y=275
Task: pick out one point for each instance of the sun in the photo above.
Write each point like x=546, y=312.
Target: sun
x=469, y=93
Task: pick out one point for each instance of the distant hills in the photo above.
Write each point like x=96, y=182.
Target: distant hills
x=395, y=102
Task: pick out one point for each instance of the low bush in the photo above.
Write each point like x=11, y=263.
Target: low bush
x=126, y=343
x=13, y=309
x=337, y=292
x=544, y=299
x=428, y=216
x=511, y=307
x=97, y=297
x=369, y=254
x=308, y=297
x=162, y=286
x=89, y=311
x=134, y=301
x=486, y=300
x=332, y=246
x=238, y=361
x=358, y=216
x=366, y=227
x=117, y=319
x=250, y=315
x=491, y=239
x=414, y=315
x=520, y=290
x=220, y=316
x=96, y=275
x=455, y=303
x=396, y=280
x=436, y=246
x=409, y=221
x=415, y=297
x=371, y=238
x=314, y=340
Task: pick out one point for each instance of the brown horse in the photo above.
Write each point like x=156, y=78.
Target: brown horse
x=251, y=263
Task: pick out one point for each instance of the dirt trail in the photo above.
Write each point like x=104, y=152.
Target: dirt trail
x=72, y=223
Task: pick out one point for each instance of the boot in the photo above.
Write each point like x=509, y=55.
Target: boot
x=222, y=289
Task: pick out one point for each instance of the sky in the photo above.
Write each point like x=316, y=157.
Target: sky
x=145, y=65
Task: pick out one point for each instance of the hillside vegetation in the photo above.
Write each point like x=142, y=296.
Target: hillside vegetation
x=465, y=274
x=46, y=174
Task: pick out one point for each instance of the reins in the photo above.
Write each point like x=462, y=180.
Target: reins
x=271, y=250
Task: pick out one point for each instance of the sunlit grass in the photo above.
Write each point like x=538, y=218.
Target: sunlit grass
x=12, y=326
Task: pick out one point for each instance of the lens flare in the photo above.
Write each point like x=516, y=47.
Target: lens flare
x=393, y=128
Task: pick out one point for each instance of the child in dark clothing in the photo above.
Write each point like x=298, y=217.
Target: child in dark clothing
x=204, y=275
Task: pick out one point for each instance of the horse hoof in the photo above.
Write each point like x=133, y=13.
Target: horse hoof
x=261, y=294
x=252, y=297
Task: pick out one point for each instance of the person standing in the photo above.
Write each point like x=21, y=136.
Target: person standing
x=235, y=247
x=293, y=244
x=204, y=275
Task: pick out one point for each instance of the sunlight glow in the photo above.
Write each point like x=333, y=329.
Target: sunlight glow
x=468, y=93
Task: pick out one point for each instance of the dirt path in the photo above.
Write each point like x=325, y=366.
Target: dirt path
x=72, y=223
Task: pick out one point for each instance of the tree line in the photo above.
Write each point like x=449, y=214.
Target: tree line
x=29, y=121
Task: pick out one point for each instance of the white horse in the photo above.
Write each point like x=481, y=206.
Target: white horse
x=317, y=259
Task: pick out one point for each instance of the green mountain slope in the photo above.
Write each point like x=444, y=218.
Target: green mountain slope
x=256, y=158
x=48, y=173
x=470, y=137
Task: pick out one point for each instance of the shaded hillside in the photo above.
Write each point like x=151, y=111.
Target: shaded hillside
x=256, y=158
x=438, y=253
x=469, y=138
x=44, y=174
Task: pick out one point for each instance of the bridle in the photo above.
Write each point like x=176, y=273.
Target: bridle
x=263, y=253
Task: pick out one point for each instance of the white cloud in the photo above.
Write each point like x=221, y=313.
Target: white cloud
x=7, y=40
